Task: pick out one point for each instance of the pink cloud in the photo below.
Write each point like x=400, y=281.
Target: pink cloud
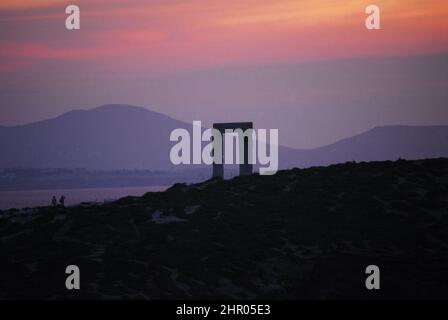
x=192, y=34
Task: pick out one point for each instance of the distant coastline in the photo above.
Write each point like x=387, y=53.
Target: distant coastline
x=46, y=179
x=22, y=199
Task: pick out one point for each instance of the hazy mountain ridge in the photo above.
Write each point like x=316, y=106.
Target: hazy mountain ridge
x=127, y=137
x=108, y=137
x=379, y=144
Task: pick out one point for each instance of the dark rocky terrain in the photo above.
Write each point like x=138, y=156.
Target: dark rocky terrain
x=302, y=233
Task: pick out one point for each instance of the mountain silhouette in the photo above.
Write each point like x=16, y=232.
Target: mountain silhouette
x=128, y=137
x=107, y=137
x=378, y=144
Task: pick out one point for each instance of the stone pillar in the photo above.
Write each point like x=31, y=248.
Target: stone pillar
x=218, y=169
x=246, y=167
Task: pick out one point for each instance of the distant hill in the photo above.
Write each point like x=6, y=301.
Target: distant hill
x=380, y=143
x=299, y=234
x=128, y=137
x=108, y=137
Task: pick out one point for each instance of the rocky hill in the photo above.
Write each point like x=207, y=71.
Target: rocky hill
x=302, y=233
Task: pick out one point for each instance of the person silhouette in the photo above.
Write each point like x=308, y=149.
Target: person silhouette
x=62, y=201
x=53, y=201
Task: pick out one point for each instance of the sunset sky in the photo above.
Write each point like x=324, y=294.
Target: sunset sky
x=292, y=64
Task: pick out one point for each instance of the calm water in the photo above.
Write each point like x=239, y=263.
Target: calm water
x=34, y=198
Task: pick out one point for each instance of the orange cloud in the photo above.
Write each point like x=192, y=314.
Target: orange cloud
x=27, y=4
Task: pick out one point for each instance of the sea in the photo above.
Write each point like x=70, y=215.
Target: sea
x=37, y=198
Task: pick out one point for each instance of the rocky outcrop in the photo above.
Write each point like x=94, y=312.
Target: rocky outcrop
x=302, y=233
